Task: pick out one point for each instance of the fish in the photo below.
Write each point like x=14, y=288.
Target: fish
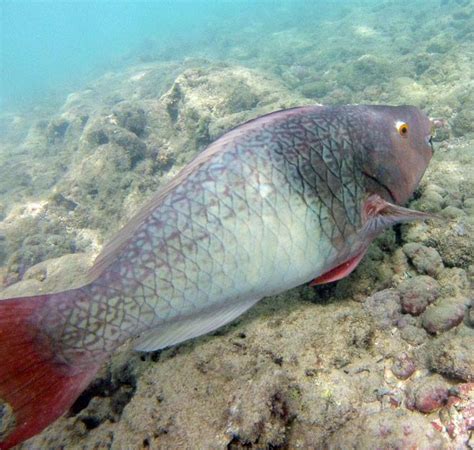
x=289, y=197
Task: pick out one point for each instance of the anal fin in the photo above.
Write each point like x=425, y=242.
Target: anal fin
x=192, y=326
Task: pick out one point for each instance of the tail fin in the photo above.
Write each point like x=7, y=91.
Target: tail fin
x=34, y=387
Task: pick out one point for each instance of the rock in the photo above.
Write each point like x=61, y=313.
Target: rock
x=246, y=426
x=406, y=320
x=440, y=43
x=315, y=89
x=52, y=275
x=432, y=187
x=422, y=63
x=131, y=118
x=57, y=129
x=403, y=366
x=384, y=306
x=454, y=242
x=470, y=317
x=415, y=232
x=425, y=259
x=453, y=281
x=365, y=70
x=58, y=199
x=451, y=212
x=387, y=429
x=417, y=293
x=463, y=122
x=469, y=206
x=448, y=313
x=133, y=146
x=97, y=136
x=428, y=394
x=431, y=199
x=413, y=335
x=453, y=357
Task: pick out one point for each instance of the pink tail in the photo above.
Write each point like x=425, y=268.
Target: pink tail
x=35, y=389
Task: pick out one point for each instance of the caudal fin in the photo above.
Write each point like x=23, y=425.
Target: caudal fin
x=35, y=389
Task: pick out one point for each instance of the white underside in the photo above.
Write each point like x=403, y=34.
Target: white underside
x=286, y=250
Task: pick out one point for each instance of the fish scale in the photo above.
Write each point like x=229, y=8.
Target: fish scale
x=285, y=198
x=241, y=254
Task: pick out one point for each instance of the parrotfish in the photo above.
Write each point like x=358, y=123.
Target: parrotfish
x=289, y=197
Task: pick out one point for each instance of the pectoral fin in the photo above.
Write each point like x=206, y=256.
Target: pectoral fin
x=380, y=214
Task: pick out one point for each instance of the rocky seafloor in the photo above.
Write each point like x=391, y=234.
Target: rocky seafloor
x=381, y=359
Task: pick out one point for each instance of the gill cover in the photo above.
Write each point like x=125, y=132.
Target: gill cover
x=398, y=152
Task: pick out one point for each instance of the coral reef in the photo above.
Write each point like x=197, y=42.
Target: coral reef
x=383, y=358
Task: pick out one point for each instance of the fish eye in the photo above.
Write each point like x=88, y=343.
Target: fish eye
x=402, y=128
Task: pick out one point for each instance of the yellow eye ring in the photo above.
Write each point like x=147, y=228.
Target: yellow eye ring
x=402, y=128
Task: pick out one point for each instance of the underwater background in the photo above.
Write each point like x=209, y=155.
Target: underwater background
x=49, y=46
x=103, y=102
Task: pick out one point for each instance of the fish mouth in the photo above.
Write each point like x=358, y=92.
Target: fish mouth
x=429, y=141
x=384, y=187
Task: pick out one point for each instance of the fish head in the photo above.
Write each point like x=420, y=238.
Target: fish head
x=397, y=151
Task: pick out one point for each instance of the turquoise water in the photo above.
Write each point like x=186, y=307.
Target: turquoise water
x=48, y=47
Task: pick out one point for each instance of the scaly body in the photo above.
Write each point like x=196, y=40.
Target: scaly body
x=269, y=211
x=270, y=205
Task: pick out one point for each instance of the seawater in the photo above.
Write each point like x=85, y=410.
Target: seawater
x=48, y=47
